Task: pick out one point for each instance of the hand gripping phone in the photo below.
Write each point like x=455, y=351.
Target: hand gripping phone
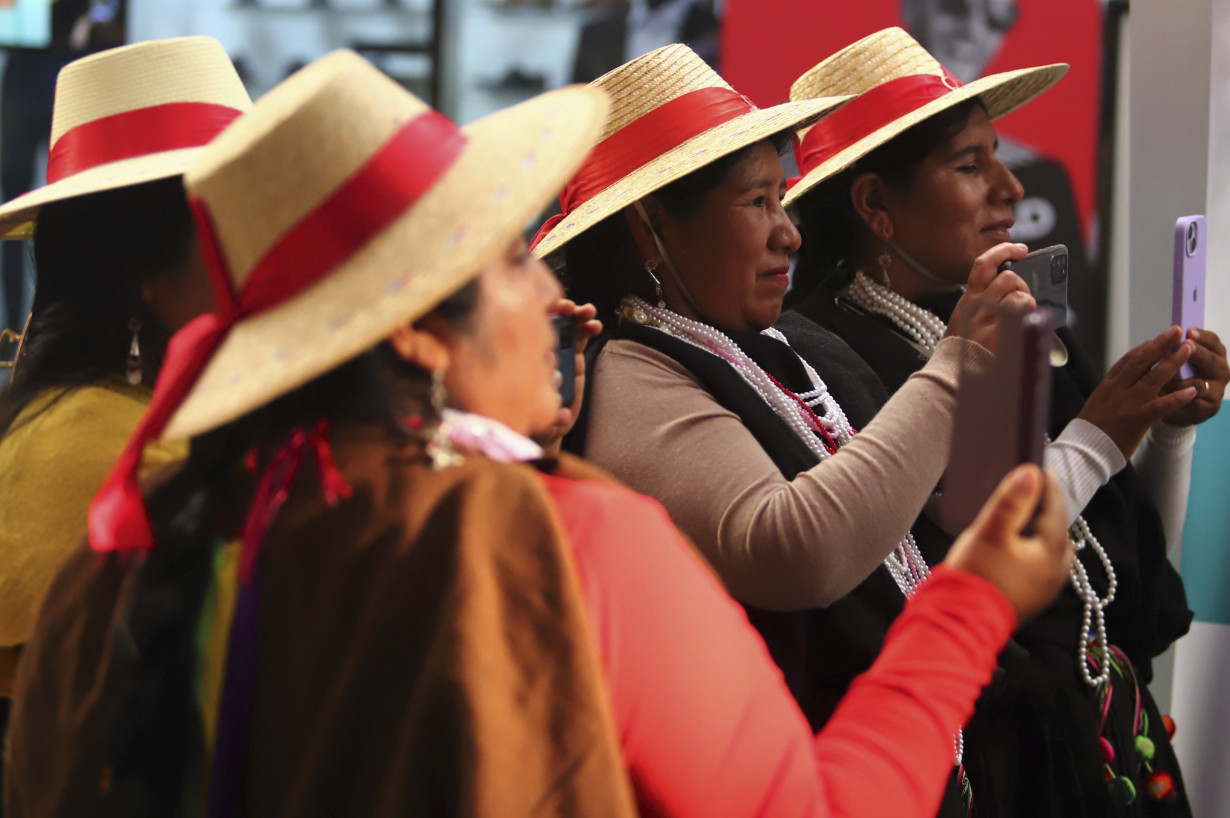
x=1001, y=416
x=1046, y=273
x=1187, y=298
x=565, y=357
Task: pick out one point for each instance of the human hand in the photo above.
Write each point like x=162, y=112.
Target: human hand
x=1133, y=395
x=587, y=326
x=976, y=316
x=1212, y=373
x=1028, y=568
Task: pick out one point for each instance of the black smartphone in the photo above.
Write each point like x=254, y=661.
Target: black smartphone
x=1001, y=416
x=1046, y=273
x=565, y=357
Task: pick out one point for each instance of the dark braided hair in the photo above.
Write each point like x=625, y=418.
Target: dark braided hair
x=157, y=736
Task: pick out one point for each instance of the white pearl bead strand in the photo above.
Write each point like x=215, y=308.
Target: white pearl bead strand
x=905, y=564
x=926, y=329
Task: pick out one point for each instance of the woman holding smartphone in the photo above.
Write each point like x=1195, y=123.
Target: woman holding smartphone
x=356, y=597
x=674, y=228
x=897, y=193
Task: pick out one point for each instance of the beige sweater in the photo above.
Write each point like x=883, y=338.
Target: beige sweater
x=778, y=544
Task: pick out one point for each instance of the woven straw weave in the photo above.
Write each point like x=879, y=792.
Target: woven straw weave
x=641, y=86
x=181, y=69
x=305, y=138
x=891, y=54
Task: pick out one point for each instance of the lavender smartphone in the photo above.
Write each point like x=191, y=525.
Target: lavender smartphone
x=1001, y=416
x=1187, y=298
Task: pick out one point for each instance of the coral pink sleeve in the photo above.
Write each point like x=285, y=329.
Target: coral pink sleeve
x=706, y=723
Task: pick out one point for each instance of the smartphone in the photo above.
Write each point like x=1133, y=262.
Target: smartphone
x=1187, y=295
x=565, y=357
x=1046, y=273
x=1001, y=416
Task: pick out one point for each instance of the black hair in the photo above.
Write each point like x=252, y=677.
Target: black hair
x=831, y=229
x=157, y=732
x=92, y=254
x=603, y=264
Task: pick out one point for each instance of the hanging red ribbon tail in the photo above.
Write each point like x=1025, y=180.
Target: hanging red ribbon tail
x=273, y=490
x=118, y=520
x=547, y=226
x=332, y=483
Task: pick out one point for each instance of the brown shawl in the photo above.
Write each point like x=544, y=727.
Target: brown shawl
x=423, y=651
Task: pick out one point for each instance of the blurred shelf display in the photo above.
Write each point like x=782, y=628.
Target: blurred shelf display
x=337, y=6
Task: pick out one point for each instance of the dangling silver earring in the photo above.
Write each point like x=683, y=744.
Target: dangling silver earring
x=439, y=447
x=651, y=267
x=885, y=261
x=133, y=370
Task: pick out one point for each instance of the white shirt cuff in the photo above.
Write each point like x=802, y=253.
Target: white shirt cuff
x=1083, y=459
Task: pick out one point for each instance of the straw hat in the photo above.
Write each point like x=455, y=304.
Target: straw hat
x=670, y=115
x=268, y=176
x=130, y=115
x=339, y=209
x=898, y=85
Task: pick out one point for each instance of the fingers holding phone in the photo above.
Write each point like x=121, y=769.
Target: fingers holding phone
x=1019, y=541
x=1211, y=375
x=975, y=317
x=575, y=325
x=1139, y=390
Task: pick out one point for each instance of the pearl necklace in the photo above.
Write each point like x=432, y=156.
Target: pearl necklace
x=926, y=329
x=906, y=564
x=920, y=324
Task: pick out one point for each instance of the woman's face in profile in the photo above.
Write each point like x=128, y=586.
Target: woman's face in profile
x=960, y=203
x=734, y=253
x=502, y=360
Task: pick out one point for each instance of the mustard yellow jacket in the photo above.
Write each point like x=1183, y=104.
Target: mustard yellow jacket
x=52, y=462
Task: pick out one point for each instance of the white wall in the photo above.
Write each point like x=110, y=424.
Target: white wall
x=1179, y=144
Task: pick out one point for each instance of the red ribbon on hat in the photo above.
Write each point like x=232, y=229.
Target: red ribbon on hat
x=390, y=182
x=140, y=132
x=645, y=139
x=876, y=108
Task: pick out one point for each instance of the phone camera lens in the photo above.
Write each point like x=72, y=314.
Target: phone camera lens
x=1059, y=269
x=1191, y=238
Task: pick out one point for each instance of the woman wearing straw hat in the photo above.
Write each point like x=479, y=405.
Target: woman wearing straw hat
x=675, y=224
x=356, y=601
x=118, y=272
x=898, y=192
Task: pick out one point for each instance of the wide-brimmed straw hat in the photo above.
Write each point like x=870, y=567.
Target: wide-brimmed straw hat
x=898, y=85
x=130, y=115
x=339, y=209
x=670, y=115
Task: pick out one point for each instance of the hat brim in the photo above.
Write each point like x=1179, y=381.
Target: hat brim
x=18, y=217
x=1001, y=94
x=513, y=162
x=683, y=159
